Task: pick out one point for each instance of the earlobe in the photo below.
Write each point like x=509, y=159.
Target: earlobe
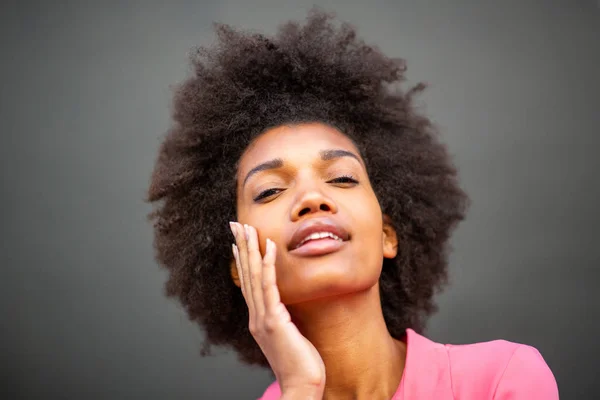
x=234, y=274
x=390, y=238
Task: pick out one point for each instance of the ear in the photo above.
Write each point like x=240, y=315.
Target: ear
x=234, y=274
x=390, y=239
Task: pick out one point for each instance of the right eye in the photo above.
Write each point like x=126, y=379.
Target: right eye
x=267, y=193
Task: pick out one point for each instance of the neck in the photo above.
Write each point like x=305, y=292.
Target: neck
x=362, y=360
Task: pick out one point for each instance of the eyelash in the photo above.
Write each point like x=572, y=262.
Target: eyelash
x=344, y=179
x=267, y=193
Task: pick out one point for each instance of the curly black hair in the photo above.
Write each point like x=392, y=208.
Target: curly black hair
x=318, y=71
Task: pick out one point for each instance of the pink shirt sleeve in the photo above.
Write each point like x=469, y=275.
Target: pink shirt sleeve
x=272, y=393
x=526, y=377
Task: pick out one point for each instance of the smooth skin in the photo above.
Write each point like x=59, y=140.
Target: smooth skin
x=316, y=316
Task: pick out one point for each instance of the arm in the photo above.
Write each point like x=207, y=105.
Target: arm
x=526, y=377
x=273, y=392
x=302, y=395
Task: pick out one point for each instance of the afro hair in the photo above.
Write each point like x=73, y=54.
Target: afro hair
x=316, y=71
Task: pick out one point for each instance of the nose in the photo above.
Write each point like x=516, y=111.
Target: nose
x=311, y=202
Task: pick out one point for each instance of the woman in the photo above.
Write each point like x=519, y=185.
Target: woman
x=342, y=201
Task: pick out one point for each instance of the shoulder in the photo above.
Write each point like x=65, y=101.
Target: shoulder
x=527, y=376
x=500, y=370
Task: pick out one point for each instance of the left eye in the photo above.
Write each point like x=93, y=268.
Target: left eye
x=344, y=179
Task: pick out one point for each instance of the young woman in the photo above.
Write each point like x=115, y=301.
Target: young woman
x=341, y=201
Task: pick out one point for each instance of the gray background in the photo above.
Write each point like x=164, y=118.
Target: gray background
x=85, y=99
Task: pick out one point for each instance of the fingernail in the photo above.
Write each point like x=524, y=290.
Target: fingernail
x=233, y=229
x=235, y=251
x=247, y=230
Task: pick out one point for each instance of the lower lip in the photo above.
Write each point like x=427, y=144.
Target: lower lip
x=318, y=247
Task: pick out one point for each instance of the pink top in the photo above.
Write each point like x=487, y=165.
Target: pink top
x=497, y=370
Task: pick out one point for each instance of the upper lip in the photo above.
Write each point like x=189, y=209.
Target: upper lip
x=317, y=225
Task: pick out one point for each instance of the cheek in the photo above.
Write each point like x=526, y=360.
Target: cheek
x=368, y=218
x=369, y=232
x=269, y=226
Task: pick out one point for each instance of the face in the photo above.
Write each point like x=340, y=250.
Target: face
x=306, y=188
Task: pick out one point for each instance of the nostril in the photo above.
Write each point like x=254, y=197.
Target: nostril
x=308, y=210
x=304, y=211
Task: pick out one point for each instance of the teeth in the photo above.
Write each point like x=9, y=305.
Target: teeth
x=319, y=235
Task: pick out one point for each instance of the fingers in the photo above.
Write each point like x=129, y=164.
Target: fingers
x=238, y=267
x=240, y=254
x=255, y=268
x=269, y=279
x=249, y=264
x=257, y=275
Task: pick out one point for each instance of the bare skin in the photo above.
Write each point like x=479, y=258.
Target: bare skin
x=314, y=304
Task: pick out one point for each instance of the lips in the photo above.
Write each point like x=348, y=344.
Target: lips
x=318, y=230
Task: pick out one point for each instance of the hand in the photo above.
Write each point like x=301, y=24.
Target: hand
x=295, y=361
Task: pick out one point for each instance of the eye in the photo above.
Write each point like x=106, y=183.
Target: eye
x=267, y=193
x=344, y=179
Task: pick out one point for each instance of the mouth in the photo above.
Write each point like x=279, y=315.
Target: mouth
x=318, y=237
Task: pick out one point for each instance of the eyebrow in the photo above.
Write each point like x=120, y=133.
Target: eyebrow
x=326, y=155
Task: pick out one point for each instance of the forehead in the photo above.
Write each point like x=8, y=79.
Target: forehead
x=301, y=141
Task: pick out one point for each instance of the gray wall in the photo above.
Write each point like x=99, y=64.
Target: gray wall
x=85, y=99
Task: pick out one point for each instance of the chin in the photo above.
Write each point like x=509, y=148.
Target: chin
x=319, y=282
